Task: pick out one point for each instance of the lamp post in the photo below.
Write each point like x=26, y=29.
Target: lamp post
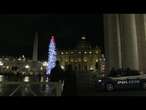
x=1, y=65
x=27, y=67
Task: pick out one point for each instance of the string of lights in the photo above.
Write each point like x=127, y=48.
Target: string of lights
x=51, y=55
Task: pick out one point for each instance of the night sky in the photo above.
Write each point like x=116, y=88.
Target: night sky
x=17, y=32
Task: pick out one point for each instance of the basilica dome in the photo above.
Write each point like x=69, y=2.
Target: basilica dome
x=83, y=44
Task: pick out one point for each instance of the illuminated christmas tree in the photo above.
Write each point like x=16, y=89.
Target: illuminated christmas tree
x=51, y=55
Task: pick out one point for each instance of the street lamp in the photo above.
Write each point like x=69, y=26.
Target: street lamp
x=7, y=67
x=91, y=68
x=62, y=67
x=27, y=66
x=23, y=56
x=26, y=79
x=45, y=64
x=41, y=68
x=19, y=59
x=1, y=63
x=1, y=78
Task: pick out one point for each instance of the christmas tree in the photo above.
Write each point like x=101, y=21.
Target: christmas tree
x=51, y=55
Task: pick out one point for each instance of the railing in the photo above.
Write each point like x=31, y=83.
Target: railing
x=49, y=88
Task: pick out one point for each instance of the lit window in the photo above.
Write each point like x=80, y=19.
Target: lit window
x=85, y=52
x=102, y=55
x=100, y=59
x=85, y=60
x=83, y=38
x=23, y=56
x=79, y=52
x=91, y=68
x=71, y=60
x=62, y=53
x=23, y=73
x=96, y=52
x=42, y=79
x=90, y=52
x=72, y=52
x=79, y=60
x=103, y=66
x=66, y=60
x=104, y=59
x=96, y=60
x=31, y=73
x=6, y=59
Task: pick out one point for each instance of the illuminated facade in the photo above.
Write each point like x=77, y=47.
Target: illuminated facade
x=82, y=58
x=22, y=65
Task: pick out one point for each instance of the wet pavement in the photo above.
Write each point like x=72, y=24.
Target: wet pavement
x=26, y=86
x=35, y=86
x=87, y=87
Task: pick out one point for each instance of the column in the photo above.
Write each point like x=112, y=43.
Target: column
x=129, y=47
x=35, y=48
x=119, y=42
x=112, y=41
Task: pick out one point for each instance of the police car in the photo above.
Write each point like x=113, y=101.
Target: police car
x=122, y=80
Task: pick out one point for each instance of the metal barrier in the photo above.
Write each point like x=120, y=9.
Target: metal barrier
x=52, y=88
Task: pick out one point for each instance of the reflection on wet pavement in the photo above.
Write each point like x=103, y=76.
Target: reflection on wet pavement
x=26, y=86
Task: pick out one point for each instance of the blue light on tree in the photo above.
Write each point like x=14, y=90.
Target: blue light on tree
x=51, y=55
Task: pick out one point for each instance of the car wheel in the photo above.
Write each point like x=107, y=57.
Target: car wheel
x=109, y=87
x=144, y=85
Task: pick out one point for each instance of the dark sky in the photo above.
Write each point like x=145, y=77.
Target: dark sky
x=17, y=32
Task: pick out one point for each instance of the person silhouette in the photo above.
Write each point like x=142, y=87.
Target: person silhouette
x=70, y=88
x=56, y=73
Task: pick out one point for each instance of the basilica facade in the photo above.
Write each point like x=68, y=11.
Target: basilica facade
x=82, y=58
